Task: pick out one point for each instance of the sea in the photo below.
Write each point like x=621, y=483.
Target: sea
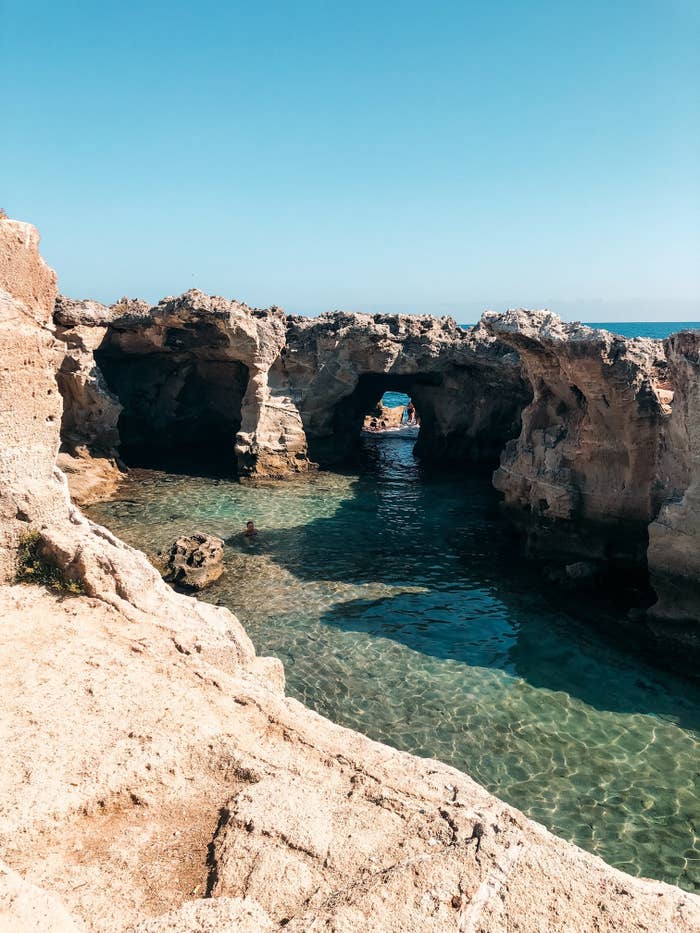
x=401, y=607
x=655, y=329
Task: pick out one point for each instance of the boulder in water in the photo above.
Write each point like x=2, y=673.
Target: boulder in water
x=196, y=560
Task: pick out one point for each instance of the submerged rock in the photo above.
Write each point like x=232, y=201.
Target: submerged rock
x=196, y=560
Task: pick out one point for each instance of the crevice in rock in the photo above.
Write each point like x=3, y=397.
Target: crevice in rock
x=211, y=861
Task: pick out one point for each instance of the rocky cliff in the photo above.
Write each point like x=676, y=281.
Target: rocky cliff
x=466, y=386
x=590, y=439
x=197, y=372
x=155, y=777
x=674, y=535
x=588, y=451
x=191, y=373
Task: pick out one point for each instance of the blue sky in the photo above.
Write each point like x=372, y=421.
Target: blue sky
x=388, y=156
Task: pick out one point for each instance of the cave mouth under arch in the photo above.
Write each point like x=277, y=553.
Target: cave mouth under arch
x=456, y=427
x=181, y=411
x=343, y=446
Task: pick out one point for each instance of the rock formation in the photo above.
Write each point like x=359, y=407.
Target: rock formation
x=466, y=386
x=196, y=372
x=674, y=535
x=384, y=418
x=583, y=420
x=587, y=457
x=190, y=374
x=89, y=427
x=196, y=560
x=155, y=777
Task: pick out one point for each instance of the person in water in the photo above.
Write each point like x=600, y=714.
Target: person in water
x=250, y=530
x=411, y=413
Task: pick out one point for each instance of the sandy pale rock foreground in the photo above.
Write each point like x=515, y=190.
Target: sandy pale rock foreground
x=155, y=778
x=146, y=788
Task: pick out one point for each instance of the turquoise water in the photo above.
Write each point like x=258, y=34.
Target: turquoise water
x=656, y=329
x=400, y=607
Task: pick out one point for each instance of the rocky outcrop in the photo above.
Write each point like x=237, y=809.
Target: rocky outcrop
x=195, y=561
x=34, y=495
x=674, y=535
x=196, y=371
x=384, y=418
x=155, y=777
x=587, y=457
x=466, y=385
x=89, y=426
x=30, y=404
x=167, y=792
x=191, y=374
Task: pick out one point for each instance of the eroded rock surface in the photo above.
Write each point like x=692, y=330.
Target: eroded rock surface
x=155, y=777
x=167, y=792
x=588, y=451
x=197, y=371
x=674, y=536
x=188, y=375
x=466, y=386
x=196, y=560
x=384, y=418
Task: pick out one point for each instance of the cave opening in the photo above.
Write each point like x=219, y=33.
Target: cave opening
x=344, y=445
x=181, y=410
x=459, y=422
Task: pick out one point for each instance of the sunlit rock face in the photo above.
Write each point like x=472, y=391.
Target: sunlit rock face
x=30, y=404
x=196, y=372
x=466, y=386
x=587, y=457
x=89, y=425
x=150, y=761
x=189, y=377
x=590, y=439
x=674, y=536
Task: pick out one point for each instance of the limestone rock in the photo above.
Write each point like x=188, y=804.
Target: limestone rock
x=384, y=418
x=91, y=477
x=161, y=775
x=195, y=370
x=196, y=560
x=150, y=760
x=466, y=386
x=30, y=404
x=588, y=449
x=674, y=536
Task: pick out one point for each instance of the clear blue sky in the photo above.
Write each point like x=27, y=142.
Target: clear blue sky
x=390, y=156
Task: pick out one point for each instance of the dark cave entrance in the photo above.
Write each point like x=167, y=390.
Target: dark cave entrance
x=182, y=411
x=461, y=423
x=345, y=444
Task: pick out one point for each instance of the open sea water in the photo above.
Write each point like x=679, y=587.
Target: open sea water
x=400, y=607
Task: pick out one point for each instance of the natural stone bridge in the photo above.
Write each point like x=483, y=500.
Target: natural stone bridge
x=155, y=776
x=593, y=436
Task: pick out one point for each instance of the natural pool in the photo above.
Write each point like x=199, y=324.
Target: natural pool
x=399, y=606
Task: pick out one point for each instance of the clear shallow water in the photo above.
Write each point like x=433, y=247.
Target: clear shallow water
x=400, y=608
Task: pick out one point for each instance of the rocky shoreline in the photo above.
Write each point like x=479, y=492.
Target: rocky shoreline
x=592, y=436
x=156, y=777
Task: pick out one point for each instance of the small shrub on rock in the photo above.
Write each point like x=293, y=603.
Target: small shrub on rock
x=33, y=567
